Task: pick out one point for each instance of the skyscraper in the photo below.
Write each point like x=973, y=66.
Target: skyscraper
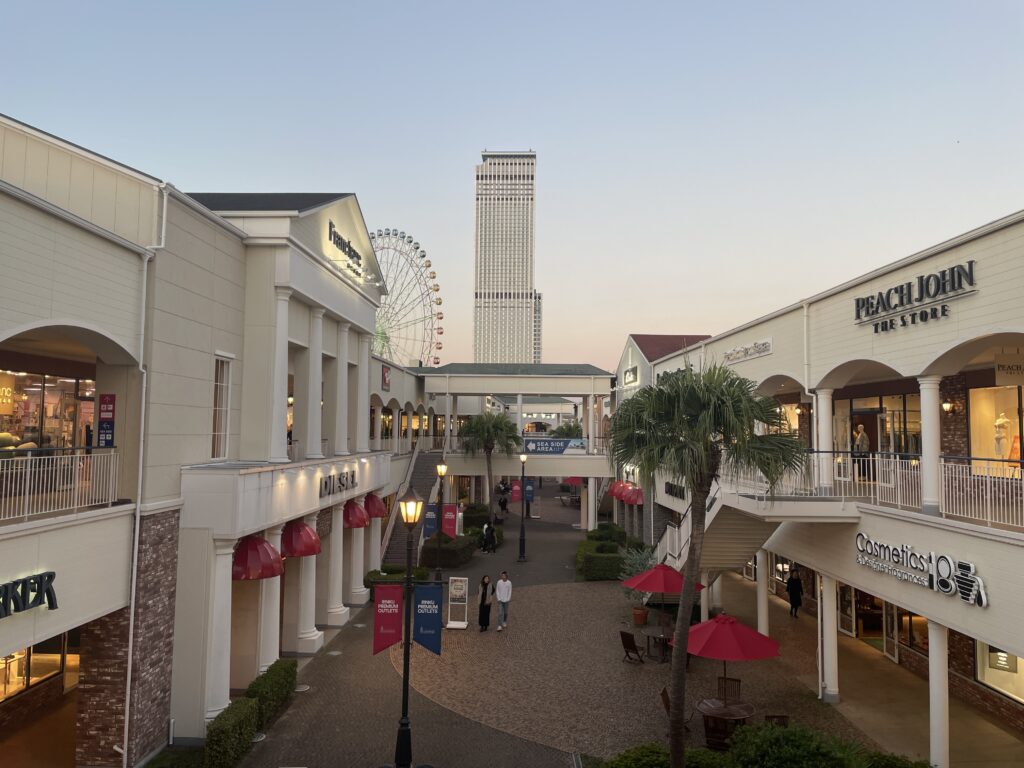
x=506, y=307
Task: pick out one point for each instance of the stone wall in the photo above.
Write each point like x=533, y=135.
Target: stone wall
x=324, y=524
x=101, y=690
x=25, y=707
x=954, y=424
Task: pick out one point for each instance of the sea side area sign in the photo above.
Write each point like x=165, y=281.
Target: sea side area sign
x=915, y=302
x=555, y=446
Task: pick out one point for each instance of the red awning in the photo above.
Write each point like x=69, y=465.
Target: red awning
x=375, y=507
x=299, y=540
x=573, y=480
x=355, y=515
x=255, y=558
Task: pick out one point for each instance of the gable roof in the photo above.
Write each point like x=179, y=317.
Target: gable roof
x=655, y=346
x=297, y=202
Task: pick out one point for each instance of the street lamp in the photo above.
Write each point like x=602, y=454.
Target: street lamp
x=522, y=511
x=410, y=505
x=442, y=470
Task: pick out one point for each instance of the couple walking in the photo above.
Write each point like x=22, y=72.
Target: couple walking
x=502, y=591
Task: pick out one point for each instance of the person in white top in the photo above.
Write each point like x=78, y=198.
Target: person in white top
x=503, y=591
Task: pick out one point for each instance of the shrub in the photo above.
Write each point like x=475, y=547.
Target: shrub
x=229, y=734
x=645, y=756
x=705, y=758
x=477, y=534
x=595, y=563
x=768, y=746
x=475, y=515
x=607, y=532
x=178, y=757
x=393, y=574
x=885, y=760
x=454, y=552
x=273, y=688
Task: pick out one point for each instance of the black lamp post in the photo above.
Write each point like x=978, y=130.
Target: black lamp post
x=411, y=505
x=442, y=470
x=522, y=511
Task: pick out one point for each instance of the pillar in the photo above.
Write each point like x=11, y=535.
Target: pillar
x=310, y=639
x=363, y=395
x=279, y=407
x=371, y=544
x=829, y=641
x=355, y=592
x=761, y=566
x=716, y=594
x=705, y=597
x=823, y=414
x=218, y=640
x=930, y=441
x=378, y=428
x=447, y=420
x=591, y=503
x=408, y=429
x=314, y=384
x=270, y=609
x=616, y=511
x=423, y=431
x=938, y=692
x=341, y=394
x=455, y=416
x=472, y=489
x=519, y=412
x=337, y=611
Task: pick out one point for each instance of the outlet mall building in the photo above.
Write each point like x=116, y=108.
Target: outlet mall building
x=908, y=521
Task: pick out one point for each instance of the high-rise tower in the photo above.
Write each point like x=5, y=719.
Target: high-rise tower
x=506, y=307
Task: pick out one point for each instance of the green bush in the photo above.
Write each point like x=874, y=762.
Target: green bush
x=273, y=688
x=595, y=563
x=768, y=746
x=475, y=515
x=454, y=552
x=178, y=757
x=477, y=535
x=393, y=574
x=705, y=758
x=229, y=734
x=651, y=755
x=885, y=760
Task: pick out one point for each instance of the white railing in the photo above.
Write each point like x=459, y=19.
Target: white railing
x=986, y=491
x=60, y=482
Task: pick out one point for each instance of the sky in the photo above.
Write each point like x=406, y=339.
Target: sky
x=699, y=164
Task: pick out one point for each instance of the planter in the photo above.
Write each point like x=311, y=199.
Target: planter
x=639, y=615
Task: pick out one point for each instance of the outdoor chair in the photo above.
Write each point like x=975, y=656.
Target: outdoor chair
x=666, y=702
x=728, y=689
x=780, y=720
x=717, y=733
x=633, y=653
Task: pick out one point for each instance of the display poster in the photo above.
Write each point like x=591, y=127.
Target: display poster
x=105, y=419
x=385, y=378
x=427, y=599
x=6, y=394
x=387, y=616
x=450, y=519
x=1009, y=370
x=458, y=602
x=429, y=520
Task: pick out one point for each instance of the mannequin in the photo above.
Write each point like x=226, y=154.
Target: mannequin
x=1001, y=429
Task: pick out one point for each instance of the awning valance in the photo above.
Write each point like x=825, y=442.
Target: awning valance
x=375, y=506
x=355, y=515
x=255, y=558
x=299, y=540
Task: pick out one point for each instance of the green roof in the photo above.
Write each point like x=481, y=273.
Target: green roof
x=513, y=369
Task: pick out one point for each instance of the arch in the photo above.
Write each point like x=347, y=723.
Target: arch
x=856, y=372
x=973, y=351
x=393, y=405
x=68, y=339
x=376, y=401
x=779, y=384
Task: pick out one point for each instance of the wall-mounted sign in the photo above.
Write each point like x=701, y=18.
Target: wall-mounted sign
x=342, y=481
x=105, y=419
x=748, y=351
x=630, y=376
x=355, y=260
x=1009, y=370
x=555, y=446
x=1001, y=660
x=28, y=593
x=675, y=490
x=939, y=573
x=915, y=302
x=385, y=378
x=6, y=394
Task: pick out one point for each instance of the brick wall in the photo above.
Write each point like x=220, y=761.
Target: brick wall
x=154, y=636
x=24, y=707
x=101, y=690
x=324, y=524
x=954, y=424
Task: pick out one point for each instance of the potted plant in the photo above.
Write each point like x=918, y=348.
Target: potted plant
x=636, y=561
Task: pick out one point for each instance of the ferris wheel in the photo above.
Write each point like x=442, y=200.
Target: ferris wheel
x=409, y=319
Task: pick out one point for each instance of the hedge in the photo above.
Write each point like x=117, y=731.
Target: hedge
x=598, y=560
x=477, y=535
x=475, y=515
x=229, y=734
x=645, y=756
x=273, y=688
x=392, y=574
x=178, y=757
x=607, y=532
x=454, y=552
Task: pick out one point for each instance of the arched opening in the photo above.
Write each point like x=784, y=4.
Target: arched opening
x=795, y=404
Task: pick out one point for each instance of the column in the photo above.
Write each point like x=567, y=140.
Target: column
x=616, y=510
x=314, y=384
x=931, y=429
x=823, y=414
x=472, y=489
x=378, y=427
x=829, y=638
x=705, y=597
x=310, y=639
x=337, y=611
x=938, y=691
x=424, y=418
x=455, y=416
x=363, y=396
x=341, y=394
x=355, y=592
x=279, y=408
x=270, y=609
x=591, y=503
x=408, y=426
x=716, y=594
x=761, y=563
x=590, y=425
x=371, y=543
x=519, y=412
x=447, y=420
x=218, y=639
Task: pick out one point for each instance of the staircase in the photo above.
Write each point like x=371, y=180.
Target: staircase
x=424, y=482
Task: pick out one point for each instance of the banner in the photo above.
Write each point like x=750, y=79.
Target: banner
x=427, y=599
x=517, y=491
x=529, y=491
x=429, y=520
x=555, y=446
x=387, y=616
x=450, y=519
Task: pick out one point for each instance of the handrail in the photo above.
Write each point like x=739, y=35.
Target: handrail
x=392, y=517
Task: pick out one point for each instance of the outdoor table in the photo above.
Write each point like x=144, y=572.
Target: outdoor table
x=740, y=711
x=661, y=637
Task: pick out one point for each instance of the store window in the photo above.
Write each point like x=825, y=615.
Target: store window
x=995, y=428
x=29, y=667
x=1000, y=670
x=221, y=407
x=781, y=568
x=913, y=630
x=45, y=412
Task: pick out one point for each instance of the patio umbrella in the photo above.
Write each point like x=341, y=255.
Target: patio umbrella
x=725, y=638
x=573, y=481
x=662, y=579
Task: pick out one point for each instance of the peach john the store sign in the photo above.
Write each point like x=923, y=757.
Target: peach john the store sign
x=915, y=302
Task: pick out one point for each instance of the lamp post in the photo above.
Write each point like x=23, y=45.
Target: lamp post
x=522, y=510
x=411, y=505
x=442, y=470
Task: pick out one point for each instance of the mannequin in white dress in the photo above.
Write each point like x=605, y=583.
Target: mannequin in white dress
x=1001, y=431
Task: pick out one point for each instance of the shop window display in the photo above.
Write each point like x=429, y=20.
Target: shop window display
x=29, y=667
x=1000, y=670
x=995, y=429
x=913, y=630
x=44, y=412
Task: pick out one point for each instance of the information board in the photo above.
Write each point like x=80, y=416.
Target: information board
x=458, y=603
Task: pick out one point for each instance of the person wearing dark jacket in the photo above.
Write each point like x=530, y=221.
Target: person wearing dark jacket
x=795, y=590
x=490, y=539
x=484, y=595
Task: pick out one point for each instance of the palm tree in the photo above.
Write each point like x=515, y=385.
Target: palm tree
x=689, y=426
x=486, y=433
x=568, y=429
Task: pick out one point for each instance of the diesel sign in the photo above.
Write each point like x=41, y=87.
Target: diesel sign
x=27, y=593
x=343, y=481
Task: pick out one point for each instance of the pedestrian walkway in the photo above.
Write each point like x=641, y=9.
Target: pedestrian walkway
x=878, y=696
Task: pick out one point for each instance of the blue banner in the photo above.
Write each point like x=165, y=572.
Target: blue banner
x=429, y=520
x=427, y=601
x=529, y=492
x=554, y=446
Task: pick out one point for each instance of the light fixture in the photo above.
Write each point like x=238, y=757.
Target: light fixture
x=442, y=470
x=291, y=400
x=947, y=406
x=411, y=505
x=799, y=410
x=522, y=457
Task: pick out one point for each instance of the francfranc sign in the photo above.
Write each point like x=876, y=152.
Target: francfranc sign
x=748, y=352
x=939, y=573
x=355, y=263
x=915, y=302
x=343, y=481
x=27, y=593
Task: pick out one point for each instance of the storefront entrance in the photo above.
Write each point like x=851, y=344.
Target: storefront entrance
x=869, y=619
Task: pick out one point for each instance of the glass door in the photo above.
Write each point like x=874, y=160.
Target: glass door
x=846, y=607
x=890, y=633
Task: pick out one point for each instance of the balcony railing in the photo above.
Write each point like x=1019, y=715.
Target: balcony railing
x=987, y=491
x=58, y=480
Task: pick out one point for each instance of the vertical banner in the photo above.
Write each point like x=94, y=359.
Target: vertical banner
x=427, y=599
x=529, y=491
x=429, y=520
x=450, y=519
x=517, y=491
x=105, y=432
x=387, y=616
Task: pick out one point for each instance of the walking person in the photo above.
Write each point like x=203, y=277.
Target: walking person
x=484, y=593
x=795, y=590
x=503, y=591
x=503, y=506
x=490, y=539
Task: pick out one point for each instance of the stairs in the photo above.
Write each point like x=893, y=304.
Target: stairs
x=423, y=480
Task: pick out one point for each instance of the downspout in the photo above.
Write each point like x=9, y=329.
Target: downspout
x=133, y=587
x=807, y=347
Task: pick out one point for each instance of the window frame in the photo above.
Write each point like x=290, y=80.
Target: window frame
x=221, y=438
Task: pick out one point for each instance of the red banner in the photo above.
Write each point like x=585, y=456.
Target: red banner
x=387, y=616
x=449, y=520
x=517, y=491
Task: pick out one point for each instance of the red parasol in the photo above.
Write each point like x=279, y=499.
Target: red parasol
x=573, y=481
x=661, y=578
x=723, y=637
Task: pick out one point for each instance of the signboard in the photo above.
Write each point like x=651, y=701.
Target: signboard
x=748, y=351
x=1001, y=660
x=429, y=520
x=1009, y=370
x=426, y=600
x=338, y=483
x=27, y=593
x=915, y=302
x=6, y=394
x=630, y=376
x=105, y=431
x=555, y=446
x=458, y=602
x=387, y=616
x=450, y=520
x=385, y=378
x=517, y=491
